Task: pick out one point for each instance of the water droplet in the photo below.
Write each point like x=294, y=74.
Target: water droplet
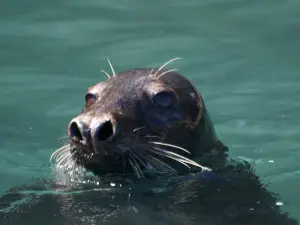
x=112, y=184
x=97, y=183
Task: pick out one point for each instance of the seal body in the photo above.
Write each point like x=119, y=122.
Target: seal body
x=142, y=120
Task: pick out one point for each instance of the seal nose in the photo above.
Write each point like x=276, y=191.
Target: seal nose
x=104, y=131
x=78, y=130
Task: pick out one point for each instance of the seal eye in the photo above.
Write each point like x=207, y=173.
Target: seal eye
x=163, y=99
x=90, y=99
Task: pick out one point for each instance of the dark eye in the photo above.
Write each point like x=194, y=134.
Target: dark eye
x=163, y=99
x=90, y=99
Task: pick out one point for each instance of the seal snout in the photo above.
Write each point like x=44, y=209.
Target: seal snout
x=99, y=130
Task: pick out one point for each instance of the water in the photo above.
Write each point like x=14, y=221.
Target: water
x=243, y=56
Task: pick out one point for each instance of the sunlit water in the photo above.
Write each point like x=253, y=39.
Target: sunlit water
x=243, y=56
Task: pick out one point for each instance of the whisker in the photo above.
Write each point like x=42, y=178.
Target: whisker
x=171, y=157
x=170, y=145
x=177, y=155
x=136, y=129
x=162, y=163
x=105, y=73
x=151, y=72
x=164, y=65
x=168, y=71
x=153, y=136
x=62, y=158
x=111, y=67
x=181, y=158
x=68, y=155
x=137, y=165
x=59, y=151
x=56, y=152
x=134, y=168
x=137, y=157
x=157, y=167
x=70, y=160
x=59, y=155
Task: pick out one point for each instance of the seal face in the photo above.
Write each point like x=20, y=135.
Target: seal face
x=139, y=120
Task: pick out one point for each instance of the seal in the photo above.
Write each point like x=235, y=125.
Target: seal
x=141, y=120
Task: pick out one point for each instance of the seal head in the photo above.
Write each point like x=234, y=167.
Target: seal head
x=140, y=120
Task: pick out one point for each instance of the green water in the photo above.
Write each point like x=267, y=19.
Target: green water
x=244, y=57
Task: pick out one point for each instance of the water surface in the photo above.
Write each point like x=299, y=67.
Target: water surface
x=242, y=55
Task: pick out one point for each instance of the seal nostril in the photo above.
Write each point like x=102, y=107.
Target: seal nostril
x=104, y=131
x=75, y=131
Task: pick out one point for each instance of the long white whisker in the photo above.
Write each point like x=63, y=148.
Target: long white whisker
x=105, y=73
x=62, y=158
x=163, y=66
x=168, y=71
x=59, y=151
x=170, y=145
x=60, y=154
x=171, y=157
x=68, y=155
x=111, y=67
x=178, y=155
x=69, y=160
x=182, y=158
